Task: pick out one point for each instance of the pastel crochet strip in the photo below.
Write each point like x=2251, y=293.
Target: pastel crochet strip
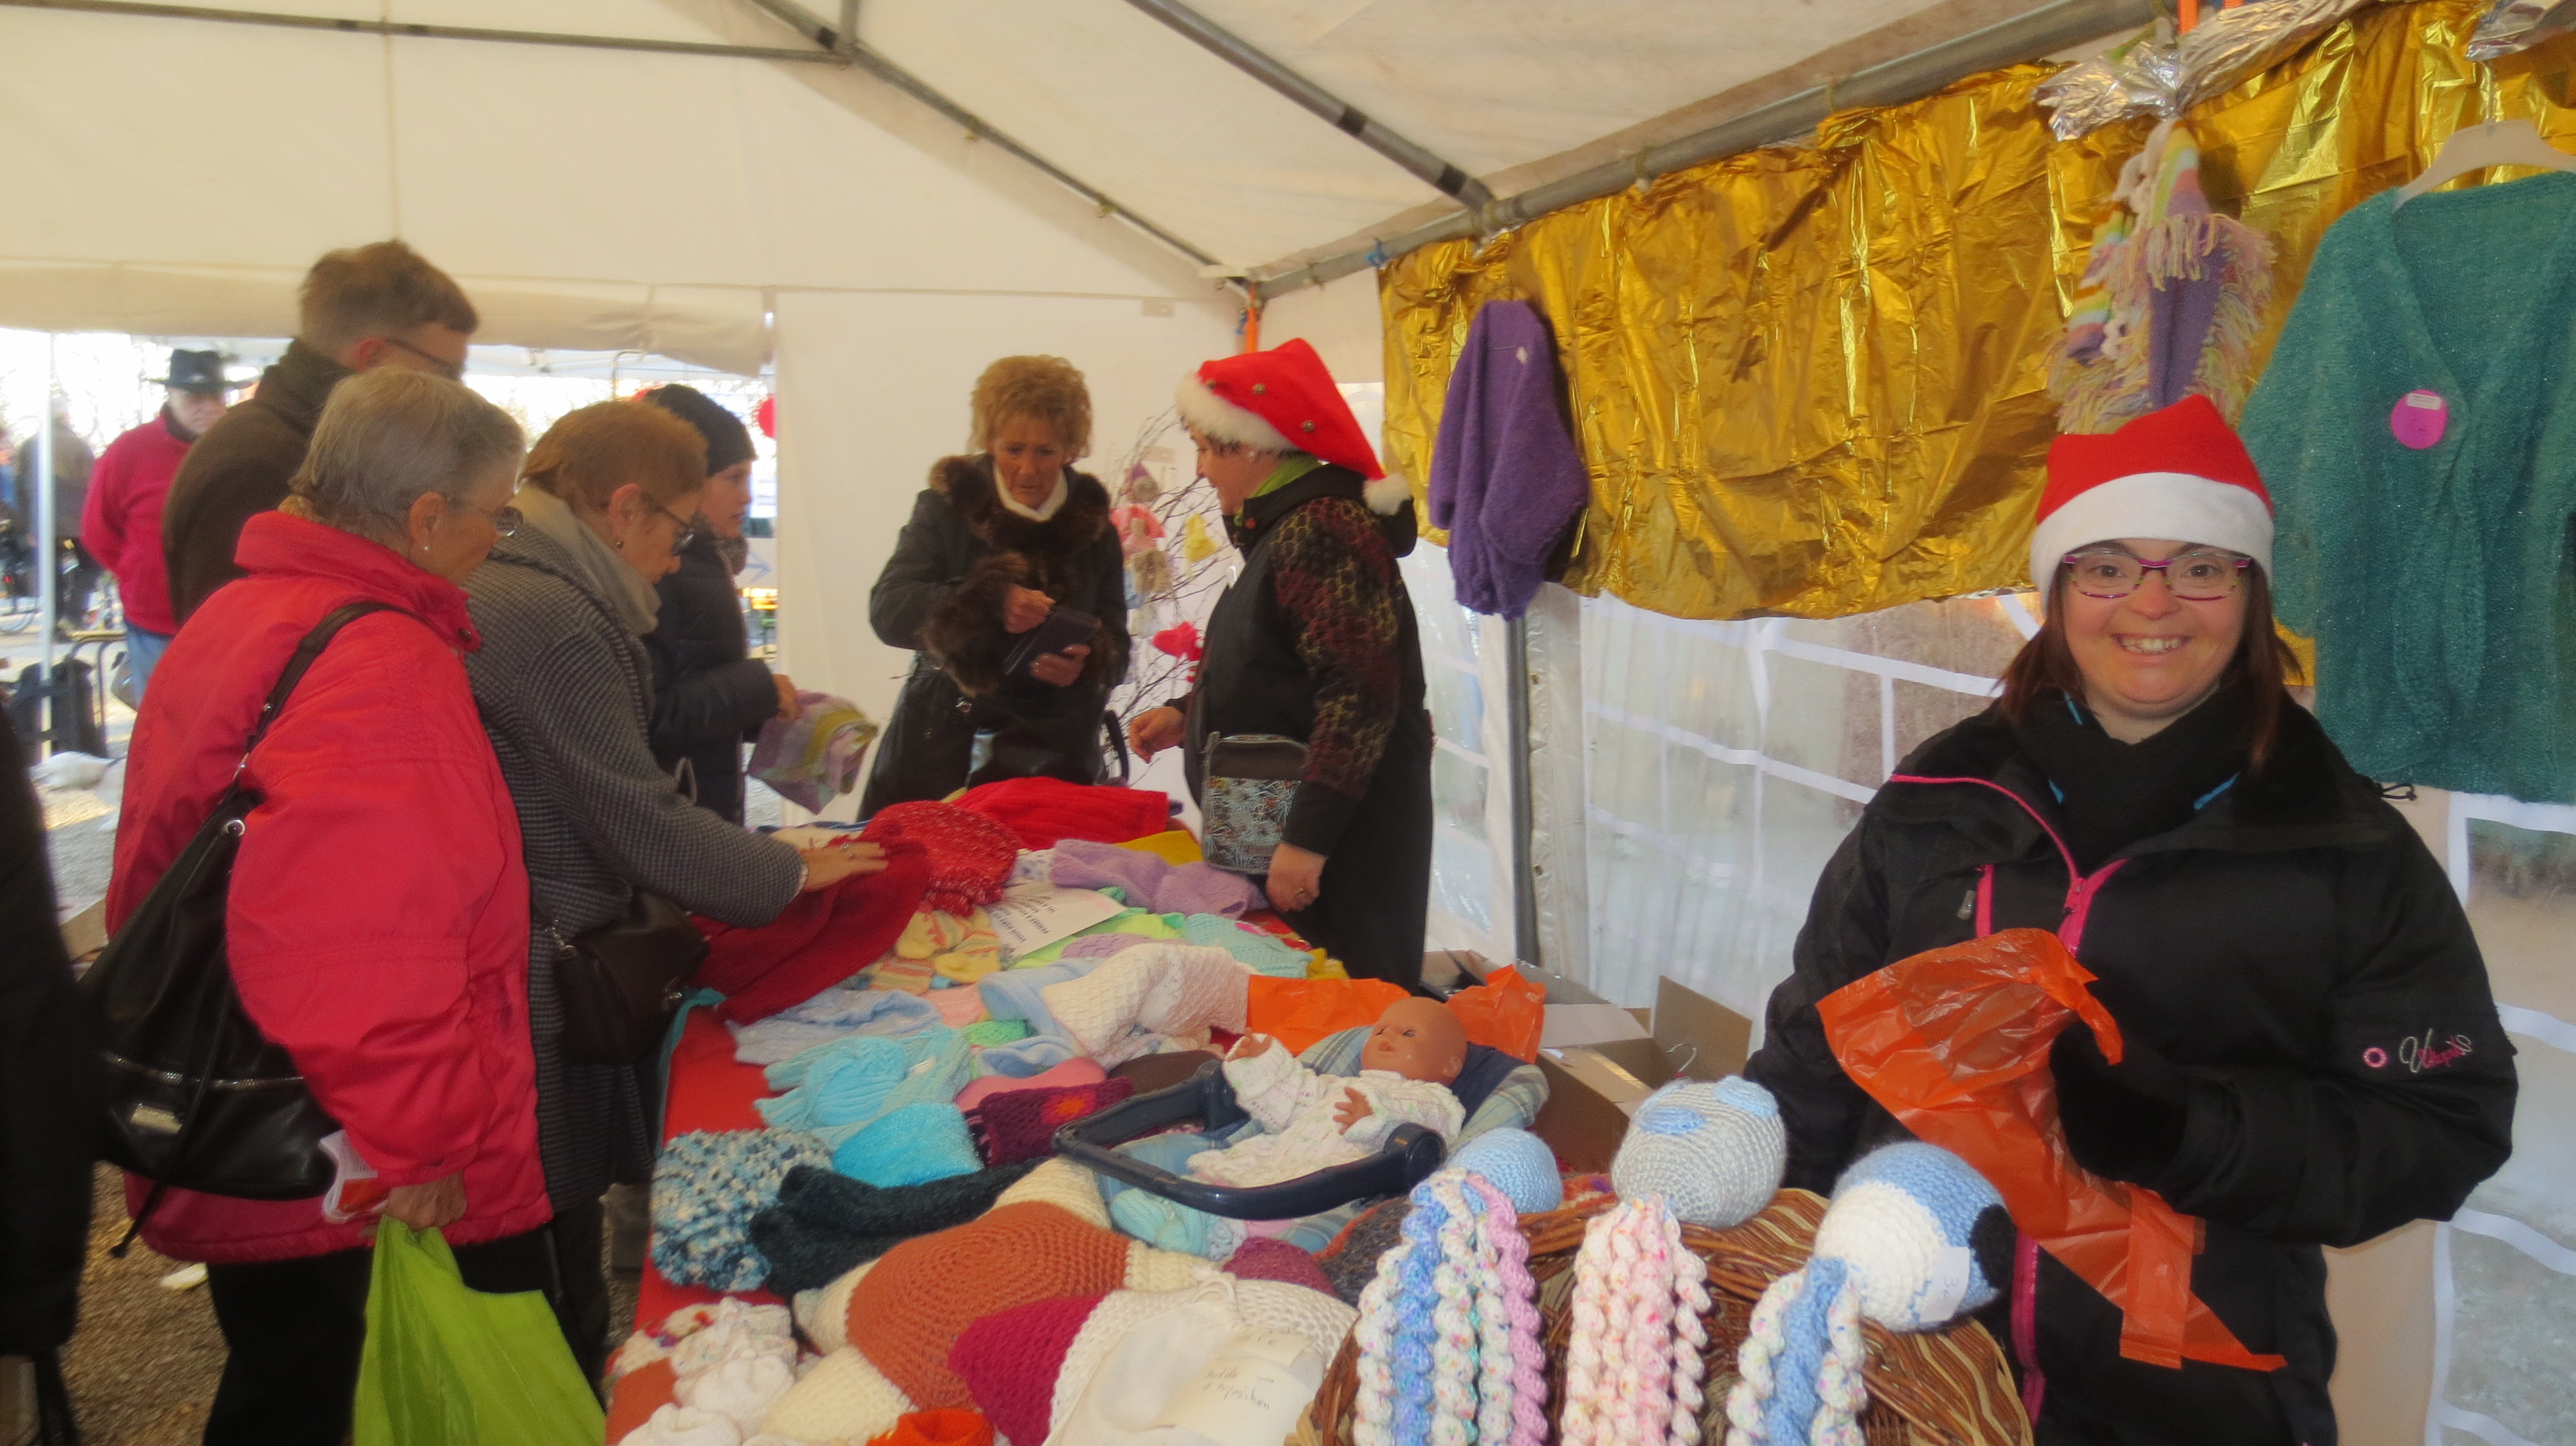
x=1633, y=1360
x=1448, y=1334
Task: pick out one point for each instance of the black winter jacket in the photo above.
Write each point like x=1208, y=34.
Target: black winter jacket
x=2293, y=948
x=50, y=1086
x=941, y=596
x=238, y=469
x=709, y=694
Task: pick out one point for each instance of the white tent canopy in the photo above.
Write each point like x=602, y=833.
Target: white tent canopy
x=175, y=175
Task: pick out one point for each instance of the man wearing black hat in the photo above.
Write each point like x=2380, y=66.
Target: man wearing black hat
x=121, y=522
x=709, y=693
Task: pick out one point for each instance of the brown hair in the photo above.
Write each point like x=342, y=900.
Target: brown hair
x=1044, y=388
x=383, y=289
x=2263, y=662
x=590, y=453
x=389, y=436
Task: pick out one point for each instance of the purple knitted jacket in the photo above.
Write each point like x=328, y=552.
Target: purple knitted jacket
x=1505, y=476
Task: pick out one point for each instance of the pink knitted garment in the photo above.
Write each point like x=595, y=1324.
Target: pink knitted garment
x=1009, y=1362
x=1265, y=1259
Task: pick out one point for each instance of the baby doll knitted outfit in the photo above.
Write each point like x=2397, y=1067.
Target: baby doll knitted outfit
x=1296, y=1108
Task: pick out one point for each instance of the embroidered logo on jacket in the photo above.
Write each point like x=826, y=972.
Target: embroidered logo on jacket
x=2419, y=1053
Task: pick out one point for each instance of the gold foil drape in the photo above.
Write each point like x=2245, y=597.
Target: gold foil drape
x=1808, y=379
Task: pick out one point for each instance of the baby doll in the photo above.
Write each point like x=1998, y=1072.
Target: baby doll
x=1312, y=1121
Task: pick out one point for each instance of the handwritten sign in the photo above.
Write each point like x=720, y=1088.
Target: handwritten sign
x=1033, y=915
x=1250, y=1393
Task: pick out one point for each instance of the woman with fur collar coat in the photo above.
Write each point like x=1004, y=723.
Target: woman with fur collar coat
x=999, y=538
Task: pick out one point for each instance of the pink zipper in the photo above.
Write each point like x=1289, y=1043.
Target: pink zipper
x=2080, y=894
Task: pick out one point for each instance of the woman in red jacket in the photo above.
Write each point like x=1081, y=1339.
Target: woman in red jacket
x=379, y=910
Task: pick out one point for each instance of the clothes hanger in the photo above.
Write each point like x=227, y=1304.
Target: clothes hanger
x=2496, y=143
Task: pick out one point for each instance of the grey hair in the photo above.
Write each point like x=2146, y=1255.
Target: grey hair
x=390, y=436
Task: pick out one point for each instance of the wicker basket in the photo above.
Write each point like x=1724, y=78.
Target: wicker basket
x=1943, y=1388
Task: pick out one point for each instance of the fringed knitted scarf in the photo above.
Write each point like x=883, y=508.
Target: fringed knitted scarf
x=2170, y=302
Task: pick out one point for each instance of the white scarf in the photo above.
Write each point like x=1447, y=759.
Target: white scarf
x=610, y=577
x=1043, y=510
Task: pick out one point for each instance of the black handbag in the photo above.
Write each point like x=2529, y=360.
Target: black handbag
x=197, y=1097
x=621, y=983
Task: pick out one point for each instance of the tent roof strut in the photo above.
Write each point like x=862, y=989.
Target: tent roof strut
x=429, y=32
x=2050, y=27
x=836, y=44
x=1450, y=180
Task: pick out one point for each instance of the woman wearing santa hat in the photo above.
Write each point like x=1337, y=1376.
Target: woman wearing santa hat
x=1315, y=641
x=2312, y=1055
x=1003, y=538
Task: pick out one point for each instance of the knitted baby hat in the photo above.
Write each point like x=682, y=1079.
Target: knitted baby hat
x=1914, y=1239
x=1713, y=1149
x=970, y=855
x=1021, y=1124
x=1519, y=1164
x=913, y=1145
x=706, y=1187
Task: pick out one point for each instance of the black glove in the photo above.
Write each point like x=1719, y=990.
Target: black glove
x=2123, y=1121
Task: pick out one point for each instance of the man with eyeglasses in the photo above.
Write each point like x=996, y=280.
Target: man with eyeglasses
x=373, y=306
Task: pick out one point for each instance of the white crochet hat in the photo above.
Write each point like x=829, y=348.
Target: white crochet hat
x=1713, y=1149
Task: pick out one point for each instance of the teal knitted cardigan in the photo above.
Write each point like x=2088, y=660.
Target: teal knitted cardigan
x=2437, y=582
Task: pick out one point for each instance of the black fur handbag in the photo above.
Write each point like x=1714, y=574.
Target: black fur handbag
x=197, y=1097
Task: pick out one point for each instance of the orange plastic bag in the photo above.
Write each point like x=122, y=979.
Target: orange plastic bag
x=1506, y=1011
x=1298, y=1012
x=1954, y=1042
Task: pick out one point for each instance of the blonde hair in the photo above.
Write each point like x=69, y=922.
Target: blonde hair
x=383, y=289
x=1043, y=388
x=590, y=453
x=391, y=436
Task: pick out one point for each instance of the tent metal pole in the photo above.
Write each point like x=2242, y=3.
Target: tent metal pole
x=849, y=25
x=48, y=574
x=2050, y=27
x=838, y=45
x=1516, y=726
x=425, y=32
x=1449, y=179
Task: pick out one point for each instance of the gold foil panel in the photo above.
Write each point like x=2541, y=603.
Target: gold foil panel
x=1807, y=380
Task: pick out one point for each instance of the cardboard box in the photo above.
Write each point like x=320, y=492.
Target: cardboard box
x=1593, y=1089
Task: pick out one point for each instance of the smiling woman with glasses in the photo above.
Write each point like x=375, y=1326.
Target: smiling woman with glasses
x=565, y=688
x=2307, y=1053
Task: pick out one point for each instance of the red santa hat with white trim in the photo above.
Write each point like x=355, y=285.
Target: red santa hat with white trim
x=2179, y=473
x=1283, y=400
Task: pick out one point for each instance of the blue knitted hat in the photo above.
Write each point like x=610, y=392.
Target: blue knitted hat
x=1906, y=1219
x=1914, y=1239
x=1713, y=1149
x=911, y=1145
x=706, y=1187
x=1519, y=1164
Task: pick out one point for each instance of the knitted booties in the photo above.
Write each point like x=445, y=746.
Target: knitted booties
x=1914, y=1239
x=1170, y=1225
x=1713, y=1149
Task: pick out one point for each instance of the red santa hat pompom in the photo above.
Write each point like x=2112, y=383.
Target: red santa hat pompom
x=2179, y=473
x=1283, y=400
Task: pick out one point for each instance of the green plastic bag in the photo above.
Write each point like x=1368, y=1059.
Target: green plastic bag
x=447, y=1365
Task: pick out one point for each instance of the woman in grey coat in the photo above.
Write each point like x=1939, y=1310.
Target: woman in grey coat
x=566, y=691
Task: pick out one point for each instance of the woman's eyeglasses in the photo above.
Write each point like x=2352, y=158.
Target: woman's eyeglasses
x=2197, y=576
x=685, y=533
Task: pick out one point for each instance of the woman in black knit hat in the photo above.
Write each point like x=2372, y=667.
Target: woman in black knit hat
x=709, y=694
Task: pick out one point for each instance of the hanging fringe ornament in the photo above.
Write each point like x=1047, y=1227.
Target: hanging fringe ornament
x=2170, y=302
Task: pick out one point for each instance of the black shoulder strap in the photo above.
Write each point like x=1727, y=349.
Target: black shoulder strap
x=305, y=652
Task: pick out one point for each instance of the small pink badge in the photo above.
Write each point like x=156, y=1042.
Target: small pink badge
x=2419, y=419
